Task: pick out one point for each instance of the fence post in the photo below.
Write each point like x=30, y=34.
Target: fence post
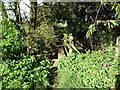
x=118, y=46
x=118, y=52
x=117, y=84
x=1, y=61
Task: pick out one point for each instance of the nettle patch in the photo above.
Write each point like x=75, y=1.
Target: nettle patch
x=95, y=69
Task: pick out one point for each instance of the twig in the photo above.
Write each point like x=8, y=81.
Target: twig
x=98, y=12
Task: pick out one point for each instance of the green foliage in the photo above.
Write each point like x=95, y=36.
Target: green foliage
x=90, y=30
x=117, y=8
x=27, y=72
x=108, y=24
x=12, y=39
x=95, y=69
x=76, y=69
x=86, y=20
x=41, y=39
x=46, y=33
x=20, y=70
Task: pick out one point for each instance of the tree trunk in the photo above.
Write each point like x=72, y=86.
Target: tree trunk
x=17, y=12
x=4, y=13
x=33, y=13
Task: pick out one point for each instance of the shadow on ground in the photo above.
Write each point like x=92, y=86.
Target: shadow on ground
x=117, y=84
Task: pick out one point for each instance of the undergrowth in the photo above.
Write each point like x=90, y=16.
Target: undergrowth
x=96, y=69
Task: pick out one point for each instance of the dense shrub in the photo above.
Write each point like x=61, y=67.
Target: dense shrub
x=95, y=69
x=45, y=34
x=12, y=39
x=20, y=70
x=27, y=72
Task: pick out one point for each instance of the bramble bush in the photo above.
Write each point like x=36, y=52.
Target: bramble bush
x=96, y=69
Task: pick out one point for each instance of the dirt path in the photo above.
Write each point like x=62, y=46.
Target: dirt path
x=54, y=74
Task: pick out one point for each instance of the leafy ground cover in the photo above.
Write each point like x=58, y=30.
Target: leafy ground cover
x=27, y=72
x=96, y=69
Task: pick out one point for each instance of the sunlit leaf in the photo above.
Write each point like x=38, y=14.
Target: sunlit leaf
x=114, y=22
x=90, y=30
